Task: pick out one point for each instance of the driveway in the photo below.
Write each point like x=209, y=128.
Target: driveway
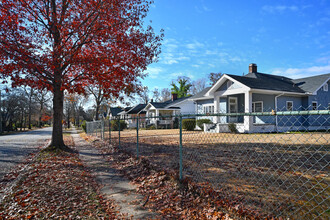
x=14, y=147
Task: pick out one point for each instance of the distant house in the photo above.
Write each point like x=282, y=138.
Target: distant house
x=114, y=111
x=163, y=110
x=136, y=111
x=260, y=92
x=123, y=114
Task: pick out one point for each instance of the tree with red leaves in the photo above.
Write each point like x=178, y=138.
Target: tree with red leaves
x=66, y=45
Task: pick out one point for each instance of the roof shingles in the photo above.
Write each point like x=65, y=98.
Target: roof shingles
x=276, y=83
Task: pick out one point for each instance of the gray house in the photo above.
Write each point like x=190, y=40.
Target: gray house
x=161, y=111
x=260, y=92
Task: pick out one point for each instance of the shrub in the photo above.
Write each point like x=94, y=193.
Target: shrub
x=151, y=127
x=201, y=122
x=189, y=124
x=115, y=125
x=232, y=128
x=83, y=125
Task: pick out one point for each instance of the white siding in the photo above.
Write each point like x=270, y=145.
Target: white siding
x=186, y=106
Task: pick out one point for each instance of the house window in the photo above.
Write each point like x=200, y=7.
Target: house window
x=229, y=83
x=257, y=106
x=289, y=105
x=209, y=109
x=325, y=87
x=314, y=105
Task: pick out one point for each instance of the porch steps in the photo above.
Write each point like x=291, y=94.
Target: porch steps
x=212, y=129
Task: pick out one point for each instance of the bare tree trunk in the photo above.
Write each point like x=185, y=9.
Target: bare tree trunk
x=40, y=114
x=21, y=121
x=57, y=135
x=30, y=106
x=97, y=111
x=24, y=120
x=68, y=117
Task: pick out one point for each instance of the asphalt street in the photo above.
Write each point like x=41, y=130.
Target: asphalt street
x=14, y=147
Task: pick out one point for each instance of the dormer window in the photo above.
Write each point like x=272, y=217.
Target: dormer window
x=325, y=87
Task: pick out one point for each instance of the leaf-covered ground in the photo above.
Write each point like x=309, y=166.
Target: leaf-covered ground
x=172, y=198
x=275, y=174
x=54, y=186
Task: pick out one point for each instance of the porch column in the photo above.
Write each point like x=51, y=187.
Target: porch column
x=156, y=119
x=216, y=108
x=248, y=120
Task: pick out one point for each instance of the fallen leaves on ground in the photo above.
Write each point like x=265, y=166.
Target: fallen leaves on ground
x=172, y=198
x=55, y=185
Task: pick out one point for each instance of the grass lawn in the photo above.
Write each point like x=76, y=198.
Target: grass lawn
x=285, y=174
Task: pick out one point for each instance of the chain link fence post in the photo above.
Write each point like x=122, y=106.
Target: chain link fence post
x=180, y=149
x=137, y=137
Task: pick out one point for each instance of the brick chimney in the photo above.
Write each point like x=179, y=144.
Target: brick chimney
x=253, y=68
x=174, y=96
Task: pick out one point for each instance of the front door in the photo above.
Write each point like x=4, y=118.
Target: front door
x=233, y=109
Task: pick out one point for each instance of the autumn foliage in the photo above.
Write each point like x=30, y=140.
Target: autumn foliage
x=66, y=45
x=45, y=118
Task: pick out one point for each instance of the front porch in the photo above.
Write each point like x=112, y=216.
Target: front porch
x=161, y=117
x=235, y=101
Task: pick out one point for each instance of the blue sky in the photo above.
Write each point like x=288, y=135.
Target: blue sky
x=290, y=38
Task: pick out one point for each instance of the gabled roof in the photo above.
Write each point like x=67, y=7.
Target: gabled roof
x=313, y=83
x=201, y=93
x=263, y=81
x=137, y=109
x=268, y=82
x=115, y=111
x=124, y=111
x=168, y=103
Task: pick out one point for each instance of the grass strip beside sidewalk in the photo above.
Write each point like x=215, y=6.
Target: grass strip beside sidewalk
x=56, y=185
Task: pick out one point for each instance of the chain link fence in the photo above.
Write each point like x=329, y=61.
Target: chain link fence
x=276, y=163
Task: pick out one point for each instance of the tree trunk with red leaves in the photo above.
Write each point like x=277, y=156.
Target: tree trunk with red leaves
x=64, y=46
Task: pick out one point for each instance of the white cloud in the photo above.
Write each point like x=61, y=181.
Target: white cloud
x=195, y=45
x=170, y=61
x=183, y=58
x=202, y=8
x=206, y=9
x=154, y=71
x=279, y=8
x=176, y=75
x=325, y=59
x=170, y=47
x=211, y=52
x=168, y=58
x=302, y=72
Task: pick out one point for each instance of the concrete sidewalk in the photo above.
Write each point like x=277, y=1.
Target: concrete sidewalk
x=115, y=185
